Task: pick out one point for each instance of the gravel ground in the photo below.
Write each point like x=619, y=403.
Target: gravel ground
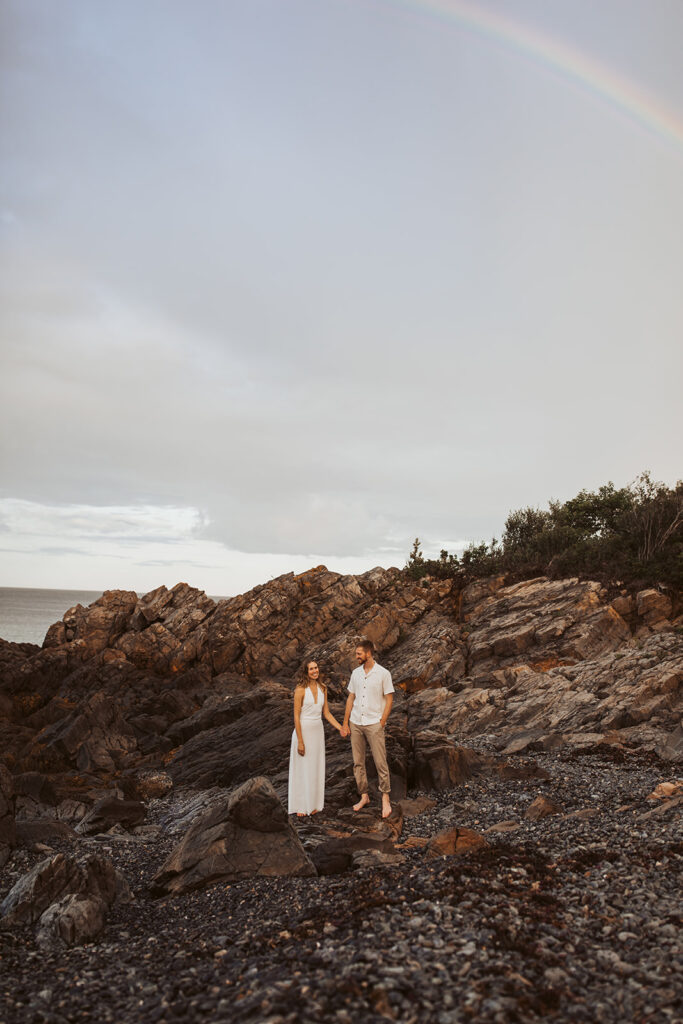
x=570, y=918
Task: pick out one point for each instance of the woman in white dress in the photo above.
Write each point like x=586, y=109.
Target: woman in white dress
x=307, y=752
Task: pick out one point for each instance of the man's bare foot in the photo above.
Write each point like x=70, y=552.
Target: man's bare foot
x=386, y=806
x=365, y=799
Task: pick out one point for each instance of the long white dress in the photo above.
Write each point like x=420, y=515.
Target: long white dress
x=307, y=773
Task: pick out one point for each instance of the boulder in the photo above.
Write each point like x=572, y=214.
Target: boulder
x=439, y=764
x=652, y=606
x=375, y=859
x=454, y=841
x=671, y=746
x=623, y=605
x=111, y=811
x=36, y=796
x=412, y=807
x=666, y=790
x=34, y=788
x=246, y=835
x=7, y=824
x=54, y=877
x=541, y=807
x=527, y=739
x=71, y=810
x=71, y=921
x=336, y=855
x=44, y=831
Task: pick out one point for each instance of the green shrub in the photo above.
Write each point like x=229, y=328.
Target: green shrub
x=632, y=533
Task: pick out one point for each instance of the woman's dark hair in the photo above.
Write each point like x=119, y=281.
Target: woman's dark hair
x=302, y=677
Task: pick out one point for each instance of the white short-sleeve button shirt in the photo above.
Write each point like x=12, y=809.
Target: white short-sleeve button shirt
x=370, y=694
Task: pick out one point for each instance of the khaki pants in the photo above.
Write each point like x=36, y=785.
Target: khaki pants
x=374, y=734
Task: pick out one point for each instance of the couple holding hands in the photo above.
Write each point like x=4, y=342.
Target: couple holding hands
x=371, y=694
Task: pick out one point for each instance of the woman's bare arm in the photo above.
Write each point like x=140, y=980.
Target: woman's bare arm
x=298, y=701
x=329, y=716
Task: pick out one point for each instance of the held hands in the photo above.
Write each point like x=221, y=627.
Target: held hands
x=344, y=731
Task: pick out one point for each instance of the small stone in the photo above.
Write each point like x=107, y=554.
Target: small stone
x=541, y=807
x=555, y=976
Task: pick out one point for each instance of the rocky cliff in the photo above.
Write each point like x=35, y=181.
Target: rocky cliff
x=529, y=864
x=174, y=681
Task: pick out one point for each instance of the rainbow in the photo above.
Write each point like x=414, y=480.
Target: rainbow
x=559, y=58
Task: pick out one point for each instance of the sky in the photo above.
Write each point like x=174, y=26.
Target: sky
x=291, y=283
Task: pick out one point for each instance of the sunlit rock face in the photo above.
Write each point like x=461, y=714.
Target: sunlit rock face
x=176, y=684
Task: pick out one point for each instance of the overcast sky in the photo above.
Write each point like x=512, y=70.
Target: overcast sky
x=293, y=281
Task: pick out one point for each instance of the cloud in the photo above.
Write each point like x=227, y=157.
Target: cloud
x=114, y=524
x=137, y=548
x=56, y=549
x=337, y=309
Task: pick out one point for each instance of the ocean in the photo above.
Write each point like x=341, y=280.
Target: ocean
x=26, y=614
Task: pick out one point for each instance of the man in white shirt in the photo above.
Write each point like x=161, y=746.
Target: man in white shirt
x=371, y=694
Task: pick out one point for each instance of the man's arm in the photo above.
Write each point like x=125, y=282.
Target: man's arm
x=388, y=701
x=388, y=691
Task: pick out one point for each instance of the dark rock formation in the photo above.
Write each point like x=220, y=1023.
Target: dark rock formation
x=671, y=746
x=130, y=697
x=34, y=793
x=439, y=764
x=245, y=835
x=7, y=825
x=541, y=807
x=55, y=877
x=454, y=841
x=111, y=811
x=71, y=921
x=44, y=830
x=96, y=738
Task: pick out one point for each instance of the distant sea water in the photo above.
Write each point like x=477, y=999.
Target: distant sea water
x=26, y=614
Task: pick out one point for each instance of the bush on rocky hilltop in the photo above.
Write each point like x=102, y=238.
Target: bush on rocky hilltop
x=629, y=533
